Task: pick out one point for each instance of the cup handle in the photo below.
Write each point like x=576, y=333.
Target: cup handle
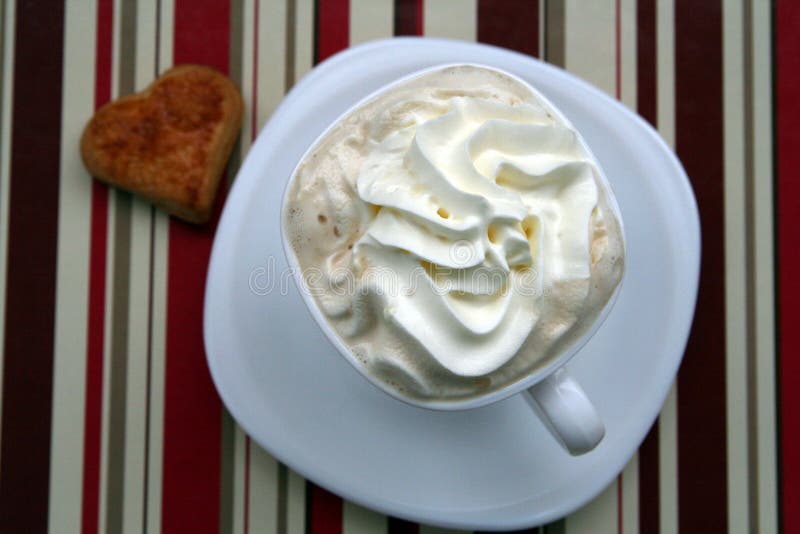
x=567, y=412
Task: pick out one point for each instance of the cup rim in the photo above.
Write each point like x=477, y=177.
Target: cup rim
x=525, y=381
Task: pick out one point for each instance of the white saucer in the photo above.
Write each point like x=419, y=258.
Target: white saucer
x=489, y=468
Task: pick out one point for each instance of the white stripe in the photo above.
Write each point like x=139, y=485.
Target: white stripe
x=5, y=162
x=359, y=520
x=454, y=19
x=735, y=270
x=371, y=19
x=303, y=38
x=600, y=515
x=72, y=280
x=158, y=317
x=765, y=268
x=590, y=42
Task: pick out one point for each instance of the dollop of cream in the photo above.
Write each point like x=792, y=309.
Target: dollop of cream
x=461, y=233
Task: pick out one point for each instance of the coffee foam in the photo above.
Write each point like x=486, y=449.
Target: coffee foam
x=339, y=238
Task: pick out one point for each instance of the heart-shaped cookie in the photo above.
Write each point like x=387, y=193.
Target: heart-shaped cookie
x=170, y=142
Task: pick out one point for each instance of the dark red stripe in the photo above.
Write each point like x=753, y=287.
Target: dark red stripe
x=408, y=17
x=511, y=24
x=788, y=165
x=646, y=59
x=97, y=290
x=333, y=27
x=401, y=526
x=31, y=264
x=702, y=443
x=326, y=512
x=646, y=98
x=192, y=411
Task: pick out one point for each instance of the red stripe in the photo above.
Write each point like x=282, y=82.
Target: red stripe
x=192, y=411
x=512, y=24
x=324, y=509
x=31, y=262
x=408, y=17
x=702, y=439
x=788, y=156
x=333, y=23
x=97, y=291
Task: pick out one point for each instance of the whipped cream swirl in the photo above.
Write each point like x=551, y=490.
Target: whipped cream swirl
x=480, y=208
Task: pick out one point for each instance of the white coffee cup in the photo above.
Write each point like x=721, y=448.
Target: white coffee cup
x=550, y=390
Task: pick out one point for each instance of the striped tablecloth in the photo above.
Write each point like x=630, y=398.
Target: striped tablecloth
x=109, y=419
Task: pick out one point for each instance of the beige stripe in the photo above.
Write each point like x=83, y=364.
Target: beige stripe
x=454, y=19
x=359, y=520
x=117, y=422
x=668, y=420
x=665, y=69
x=304, y=38
x=627, y=92
x=263, y=494
x=555, y=34
x=271, y=55
x=764, y=265
x=590, y=46
x=74, y=232
x=291, y=36
x=628, y=53
x=158, y=314
x=295, y=504
x=263, y=475
x=371, y=19
x=157, y=371
x=5, y=158
x=630, y=496
x=668, y=464
x=246, y=87
x=139, y=303
x=599, y=516
x=590, y=52
x=735, y=269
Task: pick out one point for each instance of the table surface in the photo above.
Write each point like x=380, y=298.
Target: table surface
x=110, y=421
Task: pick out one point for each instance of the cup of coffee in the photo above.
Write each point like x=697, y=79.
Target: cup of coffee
x=456, y=240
